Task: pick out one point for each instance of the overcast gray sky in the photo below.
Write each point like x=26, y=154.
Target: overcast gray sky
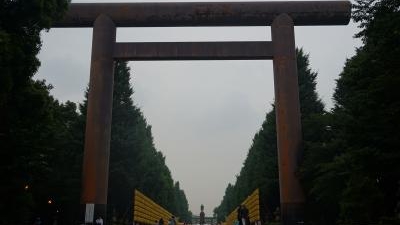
x=203, y=114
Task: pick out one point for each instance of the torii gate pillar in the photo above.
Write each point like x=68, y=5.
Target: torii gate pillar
x=98, y=121
x=288, y=119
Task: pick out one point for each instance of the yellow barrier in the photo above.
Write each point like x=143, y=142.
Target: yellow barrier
x=252, y=203
x=146, y=211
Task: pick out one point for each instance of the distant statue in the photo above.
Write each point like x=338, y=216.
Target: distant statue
x=202, y=214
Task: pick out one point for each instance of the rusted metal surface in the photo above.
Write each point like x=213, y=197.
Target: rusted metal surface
x=98, y=122
x=287, y=119
x=208, y=13
x=193, y=51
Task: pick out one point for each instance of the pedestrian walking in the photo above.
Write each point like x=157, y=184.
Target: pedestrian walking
x=173, y=222
x=245, y=215
x=239, y=215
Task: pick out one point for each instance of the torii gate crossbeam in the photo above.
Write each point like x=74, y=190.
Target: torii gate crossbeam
x=281, y=16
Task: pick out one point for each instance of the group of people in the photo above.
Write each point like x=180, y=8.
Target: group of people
x=171, y=221
x=243, y=215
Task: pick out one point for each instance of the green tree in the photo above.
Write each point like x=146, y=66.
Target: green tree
x=355, y=173
x=63, y=185
x=20, y=25
x=26, y=108
x=135, y=163
x=182, y=206
x=123, y=148
x=39, y=165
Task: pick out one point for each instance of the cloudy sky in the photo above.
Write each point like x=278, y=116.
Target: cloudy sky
x=203, y=114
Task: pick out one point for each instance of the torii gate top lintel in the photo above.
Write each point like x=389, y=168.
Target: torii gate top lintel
x=175, y=14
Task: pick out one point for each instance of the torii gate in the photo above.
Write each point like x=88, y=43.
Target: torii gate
x=281, y=16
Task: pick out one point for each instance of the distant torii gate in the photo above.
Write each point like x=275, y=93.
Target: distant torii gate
x=281, y=16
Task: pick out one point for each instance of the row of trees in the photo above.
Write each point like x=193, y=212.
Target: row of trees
x=260, y=168
x=42, y=140
x=351, y=170
x=134, y=161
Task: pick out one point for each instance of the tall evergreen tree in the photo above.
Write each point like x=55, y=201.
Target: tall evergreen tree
x=26, y=108
x=352, y=176
x=20, y=25
x=123, y=151
x=359, y=179
x=135, y=163
x=182, y=206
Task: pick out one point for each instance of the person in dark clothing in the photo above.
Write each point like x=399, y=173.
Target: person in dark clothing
x=161, y=221
x=245, y=215
x=239, y=215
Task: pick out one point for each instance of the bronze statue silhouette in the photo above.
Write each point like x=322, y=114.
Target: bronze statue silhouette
x=202, y=214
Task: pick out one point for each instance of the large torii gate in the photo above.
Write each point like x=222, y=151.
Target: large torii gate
x=281, y=16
